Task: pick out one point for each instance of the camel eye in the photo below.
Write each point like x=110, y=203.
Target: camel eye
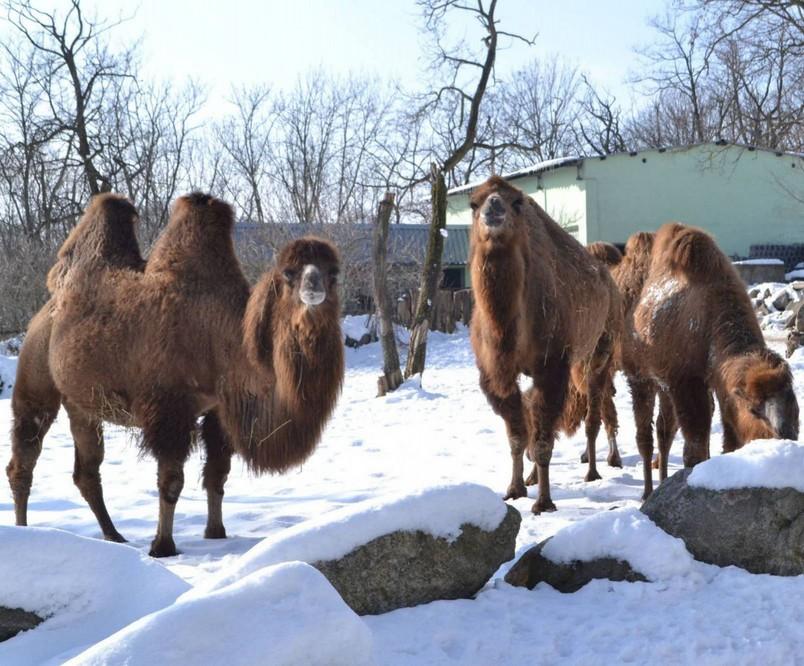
x=289, y=275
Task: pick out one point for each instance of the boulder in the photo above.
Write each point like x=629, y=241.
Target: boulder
x=798, y=285
x=781, y=299
x=15, y=620
x=753, y=292
x=409, y=568
x=758, y=529
x=533, y=568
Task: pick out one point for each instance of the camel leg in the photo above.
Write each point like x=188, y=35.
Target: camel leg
x=31, y=423
x=666, y=429
x=643, y=397
x=216, y=471
x=89, y=449
x=545, y=403
x=510, y=409
x=168, y=437
x=609, y=414
x=692, y=406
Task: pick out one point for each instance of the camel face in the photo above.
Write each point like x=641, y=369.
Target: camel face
x=496, y=209
x=773, y=406
x=309, y=269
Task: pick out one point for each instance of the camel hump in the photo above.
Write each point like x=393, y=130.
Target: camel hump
x=197, y=240
x=105, y=237
x=605, y=252
x=688, y=250
x=639, y=244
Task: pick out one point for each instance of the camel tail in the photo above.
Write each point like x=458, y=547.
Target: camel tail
x=574, y=410
x=690, y=251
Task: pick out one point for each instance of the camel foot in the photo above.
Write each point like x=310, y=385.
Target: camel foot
x=647, y=493
x=163, y=547
x=592, y=475
x=692, y=460
x=584, y=457
x=615, y=461
x=115, y=536
x=215, y=532
x=515, y=491
x=533, y=478
x=543, y=506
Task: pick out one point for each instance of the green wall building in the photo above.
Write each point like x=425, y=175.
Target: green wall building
x=741, y=195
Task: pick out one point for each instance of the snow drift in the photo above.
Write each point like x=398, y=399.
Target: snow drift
x=283, y=615
x=85, y=588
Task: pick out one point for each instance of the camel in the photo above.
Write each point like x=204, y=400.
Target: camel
x=543, y=306
x=696, y=333
x=157, y=345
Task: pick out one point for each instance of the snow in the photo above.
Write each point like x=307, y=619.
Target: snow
x=623, y=534
x=8, y=373
x=797, y=274
x=759, y=262
x=355, y=326
x=438, y=432
x=444, y=233
x=765, y=463
x=86, y=588
x=439, y=511
x=285, y=615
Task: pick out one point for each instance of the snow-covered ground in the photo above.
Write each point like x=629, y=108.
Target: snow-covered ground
x=443, y=432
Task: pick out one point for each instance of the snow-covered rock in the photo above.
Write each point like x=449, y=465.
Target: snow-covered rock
x=402, y=550
x=763, y=463
x=85, y=589
x=283, y=615
x=744, y=508
x=439, y=511
x=622, y=544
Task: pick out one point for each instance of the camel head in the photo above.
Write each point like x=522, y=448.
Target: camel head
x=309, y=270
x=762, y=386
x=496, y=210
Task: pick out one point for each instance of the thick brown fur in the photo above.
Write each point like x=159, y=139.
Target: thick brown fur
x=157, y=348
x=605, y=252
x=543, y=305
x=696, y=332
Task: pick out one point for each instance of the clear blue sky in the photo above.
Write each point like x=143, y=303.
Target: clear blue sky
x=274, y=41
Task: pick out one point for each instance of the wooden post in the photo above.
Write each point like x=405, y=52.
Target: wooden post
x=392, y=375
x=431, y=276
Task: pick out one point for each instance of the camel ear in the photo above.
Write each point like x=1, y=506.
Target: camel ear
x=762, y=383
x=258, y=322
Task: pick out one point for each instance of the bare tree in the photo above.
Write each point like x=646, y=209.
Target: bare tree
x=454, y=110
x=599, y=124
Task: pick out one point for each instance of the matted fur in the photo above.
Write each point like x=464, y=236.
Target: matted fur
x=543, y=304
x=158, y=347
x=697, y=332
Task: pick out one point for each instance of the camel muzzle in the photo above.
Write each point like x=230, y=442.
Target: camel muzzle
x=312, y=291
x=493, y=212
x=783, y=419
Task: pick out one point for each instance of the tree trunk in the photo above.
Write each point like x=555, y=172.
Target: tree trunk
x=431, y=275
x=392, y=375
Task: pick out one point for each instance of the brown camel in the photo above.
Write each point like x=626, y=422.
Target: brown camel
x=158, y=346
x=696, y=332
x=543, y=305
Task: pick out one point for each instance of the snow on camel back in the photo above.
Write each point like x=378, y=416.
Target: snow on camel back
x=283, y=615
x=439, y=511
x=84, y=588
x=764, y=463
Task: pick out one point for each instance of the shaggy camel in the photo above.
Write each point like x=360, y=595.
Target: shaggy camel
x=157, y=346
x=696, y=332
x=543, y=305
x=629, y=273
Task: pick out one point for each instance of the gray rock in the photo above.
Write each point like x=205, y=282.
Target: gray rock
x=15, y=620
x=798, y=285
x=798, y=322
x=533, y=568
x=409, y=568
x=781, y=300
x=753, y=292
x=758, y=529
